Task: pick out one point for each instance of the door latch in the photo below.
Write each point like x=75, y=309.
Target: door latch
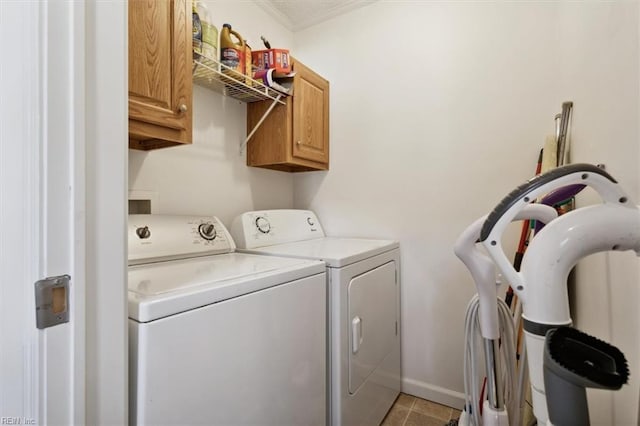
x=52, y=301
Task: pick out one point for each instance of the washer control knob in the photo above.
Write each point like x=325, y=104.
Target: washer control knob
x=207, y=231
x=143, y=232
x=310, y=221
x=263, y=225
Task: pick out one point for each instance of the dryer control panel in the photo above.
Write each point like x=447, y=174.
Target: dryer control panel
x=154, y=238
x=268, y=227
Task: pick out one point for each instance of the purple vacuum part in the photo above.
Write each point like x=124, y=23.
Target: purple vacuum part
x=562, y=194
x=557, y=196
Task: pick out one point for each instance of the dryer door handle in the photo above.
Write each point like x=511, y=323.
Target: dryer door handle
x=356, y=334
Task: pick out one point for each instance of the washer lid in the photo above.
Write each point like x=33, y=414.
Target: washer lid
x=336, y=252
x=165, y=288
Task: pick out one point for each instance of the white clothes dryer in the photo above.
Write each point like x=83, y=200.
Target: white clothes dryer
x=218, y=337
x=363, y=279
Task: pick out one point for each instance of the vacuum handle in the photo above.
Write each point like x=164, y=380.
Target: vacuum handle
x=482, y=268
x=504, y=213
x=602, y=182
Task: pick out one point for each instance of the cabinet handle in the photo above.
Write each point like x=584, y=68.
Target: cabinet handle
x=183, y=108
x=298, y=143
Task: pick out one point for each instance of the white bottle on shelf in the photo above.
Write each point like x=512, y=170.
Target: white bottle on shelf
x=209, y=31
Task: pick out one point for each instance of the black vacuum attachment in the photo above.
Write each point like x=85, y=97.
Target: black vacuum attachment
x=574, y=361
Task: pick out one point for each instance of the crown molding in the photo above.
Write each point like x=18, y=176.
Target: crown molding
x=345, y=6
x=269, y=7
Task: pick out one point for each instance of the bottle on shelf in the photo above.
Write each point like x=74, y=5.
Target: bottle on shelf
x=209, y=31
x=232, y=53
x=248, y=66
x=196, y=32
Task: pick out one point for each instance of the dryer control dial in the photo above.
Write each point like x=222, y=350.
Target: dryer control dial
x=143, y=232
x=263, y=225
x=310, y=221
x=207, y=231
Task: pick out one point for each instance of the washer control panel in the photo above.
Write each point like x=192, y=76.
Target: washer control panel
x=268, y=227
x=154, y=238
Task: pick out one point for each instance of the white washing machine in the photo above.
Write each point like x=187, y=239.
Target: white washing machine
x=218, y=337
x=363, y=279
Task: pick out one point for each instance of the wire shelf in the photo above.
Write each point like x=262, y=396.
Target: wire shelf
x=210, y=73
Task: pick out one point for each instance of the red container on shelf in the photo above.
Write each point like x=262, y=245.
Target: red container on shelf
x=278, y=59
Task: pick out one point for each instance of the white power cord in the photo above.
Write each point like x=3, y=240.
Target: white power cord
x=474, y=366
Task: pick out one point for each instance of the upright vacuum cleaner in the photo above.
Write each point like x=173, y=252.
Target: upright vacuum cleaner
x=560, y=357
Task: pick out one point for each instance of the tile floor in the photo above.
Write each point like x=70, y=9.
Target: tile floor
x=413, y=411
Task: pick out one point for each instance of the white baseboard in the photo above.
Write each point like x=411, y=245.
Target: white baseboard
x=433, y=393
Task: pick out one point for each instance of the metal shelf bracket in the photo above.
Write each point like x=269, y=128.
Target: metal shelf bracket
x=210, y=73
x=259, y=123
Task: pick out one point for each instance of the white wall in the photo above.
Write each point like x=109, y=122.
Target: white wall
x=210, y=176
x=438, y=110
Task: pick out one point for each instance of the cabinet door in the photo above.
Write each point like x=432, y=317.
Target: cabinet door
x=311, y=115
x=160, y=82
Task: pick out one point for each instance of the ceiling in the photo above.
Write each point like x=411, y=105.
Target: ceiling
x=297, y=15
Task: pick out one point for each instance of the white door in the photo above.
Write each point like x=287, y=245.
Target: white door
x=62, y=82
x=41, y=371
x=373, y=316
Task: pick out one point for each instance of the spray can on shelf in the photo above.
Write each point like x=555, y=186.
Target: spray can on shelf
x=196, y=32
x=232, y=52
x=209, y=31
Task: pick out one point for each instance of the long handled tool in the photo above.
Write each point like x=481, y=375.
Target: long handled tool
x=563, y=144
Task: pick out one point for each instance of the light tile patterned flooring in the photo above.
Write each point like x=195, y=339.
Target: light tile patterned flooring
x=413, y=411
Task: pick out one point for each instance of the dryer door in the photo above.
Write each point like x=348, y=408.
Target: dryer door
x=372, y=316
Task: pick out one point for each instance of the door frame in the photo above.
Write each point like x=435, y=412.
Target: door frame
x=63, y=181
x=106, y=189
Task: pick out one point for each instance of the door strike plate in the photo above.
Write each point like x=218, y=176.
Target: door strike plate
x=52, y=301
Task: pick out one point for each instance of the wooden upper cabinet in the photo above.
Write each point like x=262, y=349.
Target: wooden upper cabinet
x=160, y=81
x=294, y=137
